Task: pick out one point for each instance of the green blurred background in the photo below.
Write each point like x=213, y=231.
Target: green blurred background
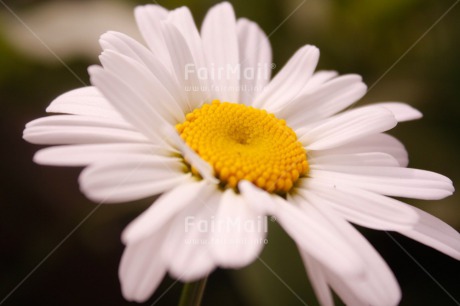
x=40, y=206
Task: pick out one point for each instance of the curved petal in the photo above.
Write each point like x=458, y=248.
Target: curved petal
x=255, y=56
x=183, y=20
x=142, y=268
x=129, y=47
x=319, y=238
x=75, y=129
x=219, y=36
x=346, y=127
x=155, y=97
x=239, y=232
x=317, y=79
x=165, y=207
x=132, y=105
x=258, y=199
x=382, y=143
x=288, y=83
x=185, y=67
x=149, y=18
x=83, y=155
x=317, y=279
x=401, y=111
x=324, y=162
x=392, y=181
x=132, y=177
x=435, y=233
x=85, y=101
x=378, y=285
x=189, y=240
x=327, y=100
x=361, y=207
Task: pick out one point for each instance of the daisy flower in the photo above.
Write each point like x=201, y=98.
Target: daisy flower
x=195, y=118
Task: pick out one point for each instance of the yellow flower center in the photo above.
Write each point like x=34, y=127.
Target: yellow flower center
x=244, y=143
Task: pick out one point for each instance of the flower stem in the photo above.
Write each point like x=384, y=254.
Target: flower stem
x=192, y=293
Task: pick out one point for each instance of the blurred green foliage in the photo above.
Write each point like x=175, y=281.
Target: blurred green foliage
x=41, y=205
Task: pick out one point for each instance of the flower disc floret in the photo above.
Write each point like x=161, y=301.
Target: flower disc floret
x=245, y=143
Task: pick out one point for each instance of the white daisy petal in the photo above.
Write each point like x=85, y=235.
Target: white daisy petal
x=183, y=65
x=155, y=97
x=183, y=20
x=392, y=181
x=342, y=288
x=383, y=143
x=188, y=247
x=401, y=111
x=258, y=199
x=129, y=47
x=317, y=237
x=219, y=37
x=324, y=162
x=85, y=101
x=131, y=104
x=317, y=79
x=255, y=60
x=346, y=127
x=238, y=234
x=142, y=268
x=378, y=286
x=365, y=292
x=131, y=178
x=149, y=18
x=289, y=81
x=83, y=155
x=361, y=207
x=325, y=101
x=84, y=135
x=317, y=279
x=72, y=129
x=79, y=121
x=435, y=233
x=165, y=207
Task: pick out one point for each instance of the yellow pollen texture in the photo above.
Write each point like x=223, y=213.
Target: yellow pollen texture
x=245, y=143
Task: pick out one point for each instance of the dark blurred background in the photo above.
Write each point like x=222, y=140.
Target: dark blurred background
x=45, y=48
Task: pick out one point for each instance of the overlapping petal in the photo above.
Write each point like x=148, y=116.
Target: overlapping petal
x=240, y=238
x=346, y=127
x=131, y=177
x=219, y=35
x=85, y=154
x=324, y=101
x=73, y=129
x=255, y=57
x=125, y=45
x=85, y=101
x=142, y=268
x=391, y=181
x=375, y=143
x=288, y=83
x=149, y=19
x=377, y=286
x=188, y=249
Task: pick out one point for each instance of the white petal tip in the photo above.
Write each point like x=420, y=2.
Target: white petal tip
x=401, y=111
